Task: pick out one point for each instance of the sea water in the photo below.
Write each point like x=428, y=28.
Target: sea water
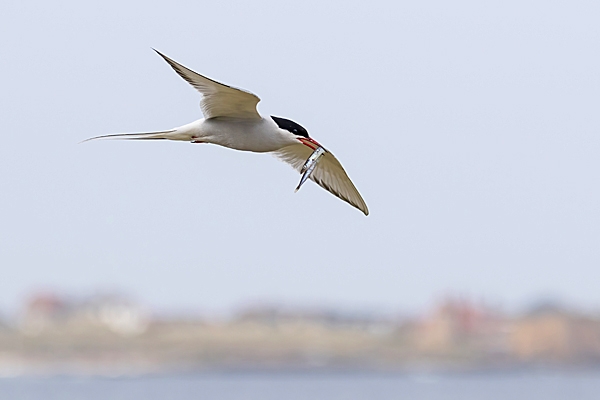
x=521, y=385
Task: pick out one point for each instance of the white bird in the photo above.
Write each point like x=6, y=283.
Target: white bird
x=231, y=120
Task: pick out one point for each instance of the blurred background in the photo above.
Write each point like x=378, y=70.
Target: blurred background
x=470, y=128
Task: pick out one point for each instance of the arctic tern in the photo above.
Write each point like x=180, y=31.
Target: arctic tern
x=231, y=120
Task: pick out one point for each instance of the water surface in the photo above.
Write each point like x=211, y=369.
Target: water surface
x=348, y=386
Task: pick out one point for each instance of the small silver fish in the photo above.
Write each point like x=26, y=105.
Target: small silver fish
x=309, y=165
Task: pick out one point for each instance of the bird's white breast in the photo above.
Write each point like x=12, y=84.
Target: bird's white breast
x=257, y=135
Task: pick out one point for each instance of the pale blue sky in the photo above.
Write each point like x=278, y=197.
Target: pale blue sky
x=471, y=129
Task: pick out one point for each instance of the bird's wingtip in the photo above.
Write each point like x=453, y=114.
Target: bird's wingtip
x=160, y=54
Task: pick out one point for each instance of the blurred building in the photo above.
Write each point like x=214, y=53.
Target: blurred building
x=50, y=311
x=553, y=334
x=460, y=327
x=42, y=311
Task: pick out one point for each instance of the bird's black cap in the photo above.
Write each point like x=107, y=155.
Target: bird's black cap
x=290, y=126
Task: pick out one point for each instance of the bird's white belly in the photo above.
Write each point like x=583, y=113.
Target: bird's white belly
x=243, y=134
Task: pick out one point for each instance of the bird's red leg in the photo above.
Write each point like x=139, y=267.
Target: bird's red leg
x=195, y=139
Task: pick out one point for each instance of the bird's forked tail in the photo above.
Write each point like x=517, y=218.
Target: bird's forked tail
x=136, y=136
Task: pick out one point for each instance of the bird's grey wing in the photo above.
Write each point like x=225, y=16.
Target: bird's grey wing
x=329, y=174
x=218, y=100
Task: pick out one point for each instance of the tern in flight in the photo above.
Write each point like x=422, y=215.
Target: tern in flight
x=231, y=120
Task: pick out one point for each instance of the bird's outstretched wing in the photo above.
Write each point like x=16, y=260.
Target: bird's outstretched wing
x=218, y=100
x=329, y=174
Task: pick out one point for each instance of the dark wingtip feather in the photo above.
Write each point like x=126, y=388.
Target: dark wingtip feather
x=159, y=53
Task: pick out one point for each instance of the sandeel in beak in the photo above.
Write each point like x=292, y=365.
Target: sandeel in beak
x=309, y=165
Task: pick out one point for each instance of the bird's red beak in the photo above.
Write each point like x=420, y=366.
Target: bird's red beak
x=311, y=143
